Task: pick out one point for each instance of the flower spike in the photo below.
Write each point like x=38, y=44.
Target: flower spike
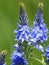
x=39, y=32
x=23, y=32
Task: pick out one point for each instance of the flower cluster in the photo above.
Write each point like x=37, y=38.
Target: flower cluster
x=36, y=36
x=47, y=53
x=39, y=31
x=17, y=57
x=22, y=34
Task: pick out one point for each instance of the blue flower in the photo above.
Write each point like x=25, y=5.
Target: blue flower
x=39, y=47
x=18, y=59
x=17, y=56
x=18, y=47
x=39, y=32
x=23, y=33
x=47, y=53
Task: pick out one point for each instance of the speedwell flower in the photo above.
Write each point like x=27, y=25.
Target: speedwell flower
x=23, y=32
x=39, y=31
x=18, y=59
x=47, y=53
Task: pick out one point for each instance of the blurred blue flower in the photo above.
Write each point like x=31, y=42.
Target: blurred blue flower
x=2, y=57
x=39, y=31
x=18, y=59
x=47, y=53
x=23, y=33
x=2, y=64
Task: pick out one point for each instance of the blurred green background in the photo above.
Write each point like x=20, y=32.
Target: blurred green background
x=9, y=14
